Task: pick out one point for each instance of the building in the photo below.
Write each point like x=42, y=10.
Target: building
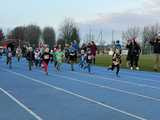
x=12, y=43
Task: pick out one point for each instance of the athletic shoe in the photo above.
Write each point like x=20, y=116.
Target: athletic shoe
x=137, y=68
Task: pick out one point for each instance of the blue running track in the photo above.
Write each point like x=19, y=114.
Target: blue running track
x=78, y=95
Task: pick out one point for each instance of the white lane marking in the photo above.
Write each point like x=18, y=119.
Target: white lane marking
x=21, y=104
x=138, y=78
x=144, y=79
x=77, y=95
x=136, y=72
x=107, y=87
x=120, y=81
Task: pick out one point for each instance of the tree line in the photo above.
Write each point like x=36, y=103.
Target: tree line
x=144, y=35
x=32, y=35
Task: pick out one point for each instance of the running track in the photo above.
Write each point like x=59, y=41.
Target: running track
x=68, y=95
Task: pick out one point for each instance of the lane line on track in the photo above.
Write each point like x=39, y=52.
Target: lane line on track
x=135, y=72
x=137, y=78
x=115, y=80
x=21, y=105
x=77, y=95
x=105, y=87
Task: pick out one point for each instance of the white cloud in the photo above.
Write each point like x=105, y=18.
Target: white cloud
x=151, y=6
x=148, y=14
x=152, y=2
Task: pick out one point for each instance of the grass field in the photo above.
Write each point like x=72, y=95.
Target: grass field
x=146, y=62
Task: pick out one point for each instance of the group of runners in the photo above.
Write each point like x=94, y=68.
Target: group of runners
x=85, y=55
x=70, y=54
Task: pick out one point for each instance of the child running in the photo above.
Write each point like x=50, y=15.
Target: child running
x=45, y=60
x=59, y=54
x=116, y=61
x=66, y=53
x=37, y=55
x=72, y=57
x=88, y=60
x=9, y=58
x=54, y=55
x=82, y=59
x=30, y=58
x=18, y=53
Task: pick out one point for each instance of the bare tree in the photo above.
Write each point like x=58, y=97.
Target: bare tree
x=132, y=32
x=69, y=31
x=101, y=41
x=149, y=33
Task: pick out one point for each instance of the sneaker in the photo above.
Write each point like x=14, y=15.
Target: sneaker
x=137, y=68
x=131, y=68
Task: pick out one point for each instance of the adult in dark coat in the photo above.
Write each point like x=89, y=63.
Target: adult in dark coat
x=134, y=52
x=93, y=51
x=156, y=45
x=128, y=54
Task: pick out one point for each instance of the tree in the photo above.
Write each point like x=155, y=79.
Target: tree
x=61, y=42
x=69, y=31
x=148, y=34
x=1, y=35
x=132, y=32
x=49, y=36
x=100, y=40
x=75, y=35
x=18, y=33
x=32, y=35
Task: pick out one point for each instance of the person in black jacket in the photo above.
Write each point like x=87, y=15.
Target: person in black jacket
x=128, y=54
x=133, y=54
x=156, y=45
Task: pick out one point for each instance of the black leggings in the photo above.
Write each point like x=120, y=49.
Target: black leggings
x=134, y=60
x=115, y=66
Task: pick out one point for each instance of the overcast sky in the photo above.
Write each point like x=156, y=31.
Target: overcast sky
x=105, y=15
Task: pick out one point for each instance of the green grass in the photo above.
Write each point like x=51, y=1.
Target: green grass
x=146, y=62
